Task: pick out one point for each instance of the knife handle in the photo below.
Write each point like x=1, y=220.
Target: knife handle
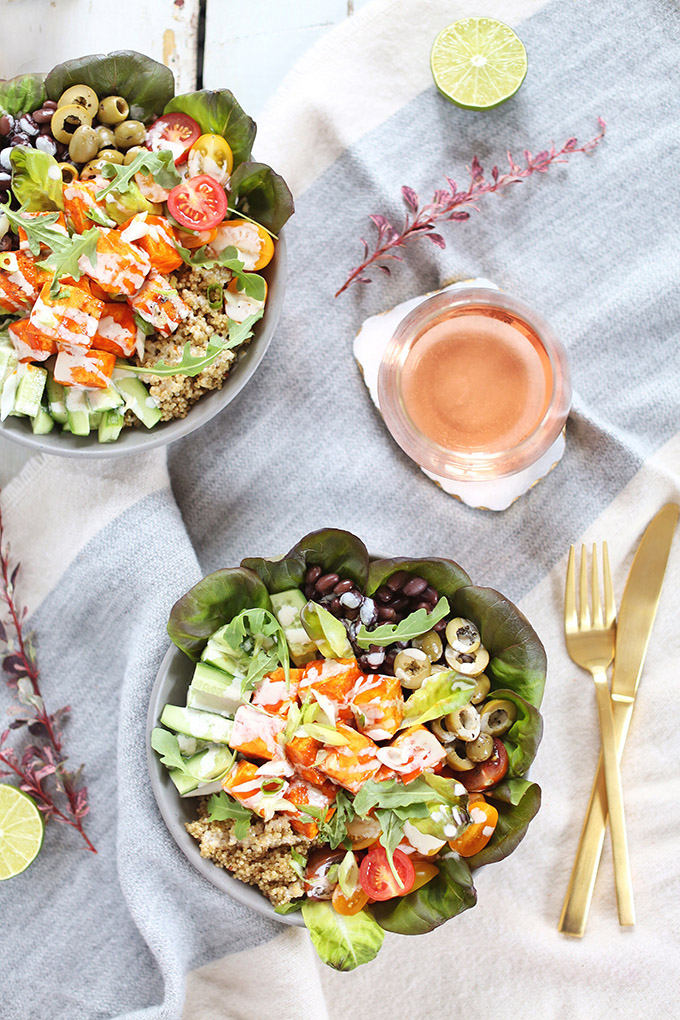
x=582, y=881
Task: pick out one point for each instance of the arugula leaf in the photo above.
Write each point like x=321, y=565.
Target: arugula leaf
x=333, y=830
x=392, y=827
x=64, y=259
x=289, y=908
x=298, y=863
x=412, y=626
x=160, y=165
x=39, y=229
x=250, y=283
x=97, y=216
x=221, y=807
x=165, y=743
x=252, y=631
x=440, y=694
x=405, y=800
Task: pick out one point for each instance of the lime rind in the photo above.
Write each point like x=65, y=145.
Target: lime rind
x=478, y=63
x=21, y=831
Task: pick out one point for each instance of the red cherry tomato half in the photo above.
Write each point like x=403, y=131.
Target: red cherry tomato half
x=198, y=203
x=174, y=131
x=488, y=772
x=376, y=876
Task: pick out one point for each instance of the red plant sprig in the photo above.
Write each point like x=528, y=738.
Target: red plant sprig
x=420, y=221
x=41, y=765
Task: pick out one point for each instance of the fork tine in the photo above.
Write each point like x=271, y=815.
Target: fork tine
x=570, y=622
x=597, y=605
x=584, y=610
x=609, y=604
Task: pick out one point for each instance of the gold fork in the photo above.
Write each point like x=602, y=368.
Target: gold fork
x=590, y=643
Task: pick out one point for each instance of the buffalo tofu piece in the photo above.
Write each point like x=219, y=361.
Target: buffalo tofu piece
x=273, y=694
x=413, y=752
x=29, y=343
x=159, y=304
x=255, y=733
x=117, y=330
x=79, y=199
x=20, y=284
x=303, y=795
x=59, y=225
x=333, y=680
x=301, y=753
x=377, y=704
x=155, y=235
x=92, y=369
x=351, y=764
x=70, y=318
x=119, y=268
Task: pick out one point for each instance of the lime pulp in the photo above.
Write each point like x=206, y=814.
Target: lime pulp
x=21, y=831
x=478, y=63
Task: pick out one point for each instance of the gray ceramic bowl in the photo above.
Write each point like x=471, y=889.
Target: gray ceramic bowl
x=172, y=681
x=137, y=440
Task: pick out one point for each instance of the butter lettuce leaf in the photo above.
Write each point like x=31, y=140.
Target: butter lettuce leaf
x=517, y=802
x=335, y=551
x=522, y=739
x=440, y=694
x=145, y=83
x=263, y=194
x=342, y=942
x=449, y=893
x=327, y=633
x=36, y=179
x=217, y=112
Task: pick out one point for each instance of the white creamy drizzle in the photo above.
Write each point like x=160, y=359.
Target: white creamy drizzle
x=414, y=751
x=245, y=238
x=239, y=306
x=67, y=362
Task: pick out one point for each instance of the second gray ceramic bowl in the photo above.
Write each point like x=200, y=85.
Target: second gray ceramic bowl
x=138, y=440
x=172, y=681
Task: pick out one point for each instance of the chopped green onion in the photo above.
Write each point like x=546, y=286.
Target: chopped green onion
x=218, y=300
x=271, y=785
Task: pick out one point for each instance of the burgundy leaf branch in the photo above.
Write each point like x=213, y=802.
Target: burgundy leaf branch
x=41, y=765
x=421, y=221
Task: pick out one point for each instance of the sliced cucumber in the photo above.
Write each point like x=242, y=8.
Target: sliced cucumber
x=56, y=400
x=96, y=419
x=137, y=398
x=202, y=768
x=208, y=703
x=104, y=400
x=42, y=422
x=111, y=425
x=202, y=725
x=189, y=746
x=29, y=390
x=287, y=606
x=77, y=411
x=8, y=363
x=219, y=687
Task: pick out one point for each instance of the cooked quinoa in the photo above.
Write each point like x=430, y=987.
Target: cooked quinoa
x=177, y=393
x=262, y=858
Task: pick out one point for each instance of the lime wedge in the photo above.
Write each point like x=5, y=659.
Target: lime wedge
x=478, y=63
x=21, y=831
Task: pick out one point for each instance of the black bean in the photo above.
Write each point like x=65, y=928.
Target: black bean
x=62, y=150
x=309, y=591
x=312, y=575
x=46, y=144
x=43, y=116
x=326, y=583
x=416, y=586
x=19, y=138
x=365, y=664
x=350, y=614
x=431, y=595
x=5, y=181
x=335, y=607
x=389, y=660
x=423, y=605
x=383, y=595
x=439, y=627
x=49, y=104
x=386, y=613
x=399, y=604
x=395, y=582
x=343, y=586
x=28, y=125
x=6, y=124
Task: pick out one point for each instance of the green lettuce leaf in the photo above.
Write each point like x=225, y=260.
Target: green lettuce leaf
x=289, y=908
x=449, y=893
x=444, y=575
x=327, y=633
x=218, y=113
x=517, y=801
x=342, y=942
x=443, y=821
x=22, y=94
x=214, y=601
x=442, y=693
x=263, y=194
x=522, y=739
x=146, y=84
x=36, y=179
x=336, y=552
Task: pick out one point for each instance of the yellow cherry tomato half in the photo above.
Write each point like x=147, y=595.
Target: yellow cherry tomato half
x=425, y=872
x=363, y=832
x=211, y=155
x=484, y=820
x=349, y=905
x=253, y=243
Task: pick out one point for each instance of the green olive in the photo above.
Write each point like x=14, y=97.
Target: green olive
x=80, y=95
x=462, y=635
x=110, y=156
x=129, y=133
x=93, y=169
x=69, y=173
x=456, y=757
x=66, y=121
x=133, y=153
x=498, y=716
x=105, y=136
x=482, y=688
x=113, y=110
x=84, y=145
x=464, y=722
x=431, y=644
x=411, y=668
x=480, y=749
x=467, y=663
x=443, y=735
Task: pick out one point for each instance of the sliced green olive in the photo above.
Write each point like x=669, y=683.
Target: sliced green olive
x=84, y=144
x=467, y=663
x=113, y=110
x=133, y=153
x=105, y=136
x=498, y=716
x=431, y=644
x=482, y=688
x=411, y=668
x=129, y=133
x=443, y=735
x=480, y=749
x=457, y=758
x=80, y=95
x=69, y=173
x=110, y=156
x=93, y=169
x=464, y=722
x=462, y=635
x=66, y=121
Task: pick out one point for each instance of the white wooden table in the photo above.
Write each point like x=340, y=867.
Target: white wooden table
x=248, y=48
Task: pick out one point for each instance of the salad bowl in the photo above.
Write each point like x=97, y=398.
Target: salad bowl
x=202, y=193
x=515, y=672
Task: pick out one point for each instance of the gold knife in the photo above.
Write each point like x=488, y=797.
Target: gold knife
x=633, y=630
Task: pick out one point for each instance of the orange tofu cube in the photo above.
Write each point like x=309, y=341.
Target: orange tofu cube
x=69, y=318
x=119, y=268
x=333, y=679
x=351, y=764
x=19, y=287
x=117, y=330
x=302, y=750
x=272, y=693
x=245, y=785
x=305, y=794
x=159, y=304
x=92, y=369
x=29, y=343
x=377, y=704
x=156, y=236
x=413, y=752
x=59, y=225
x=255, y=732
x=79, y=199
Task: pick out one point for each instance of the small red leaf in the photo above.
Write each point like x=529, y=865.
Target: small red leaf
x=410, y=197
x=437, y=239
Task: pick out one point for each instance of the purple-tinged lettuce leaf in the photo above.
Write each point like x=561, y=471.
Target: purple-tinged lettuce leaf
x=218, y=113
x=449, y=893
x=517, y=801
x=444, y=575
x=335, y=551
x=522, y=739
x=262, y=194
x=144, y=83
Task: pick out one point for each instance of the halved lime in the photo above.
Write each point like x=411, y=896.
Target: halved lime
x=478, y=63
x=21, y=831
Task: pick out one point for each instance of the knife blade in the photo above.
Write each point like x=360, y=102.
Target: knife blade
x=633, y=631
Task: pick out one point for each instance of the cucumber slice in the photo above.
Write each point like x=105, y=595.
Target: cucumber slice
x=189, y=746
x=56, y=400
x=96, y=419
x=42, y=423
x=8, y=363
x=111, y=425
x=104, y=400
x=29, y=389
x=287, y=606
x=208, y=703
x=219, y=687
x=202, y=725
x=137, y=398
x=203, y=768
x=77, y=411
